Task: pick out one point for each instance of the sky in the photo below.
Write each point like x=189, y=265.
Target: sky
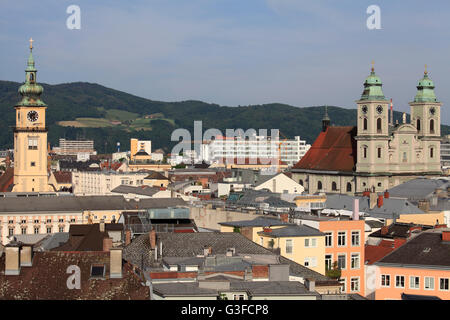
x=233, y=52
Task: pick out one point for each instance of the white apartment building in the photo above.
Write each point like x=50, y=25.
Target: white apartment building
x=75, y=147
x=289, y=151
x=90, y=183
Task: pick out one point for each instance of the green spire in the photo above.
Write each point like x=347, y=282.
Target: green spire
x=30, y=90
x=372, y=87
x=425, y=89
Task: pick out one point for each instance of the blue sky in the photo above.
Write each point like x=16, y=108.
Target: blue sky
x=233, y=52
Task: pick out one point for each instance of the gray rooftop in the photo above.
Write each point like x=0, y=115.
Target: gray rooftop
x=141, y=190
x=418, y=189
x=293, y=231
x=257, y=222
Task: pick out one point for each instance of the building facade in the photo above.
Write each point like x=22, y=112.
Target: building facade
x=376, y=154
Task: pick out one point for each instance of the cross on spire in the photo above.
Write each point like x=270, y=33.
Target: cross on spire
x=373, y=66
x=31, y=43
x=426, y=71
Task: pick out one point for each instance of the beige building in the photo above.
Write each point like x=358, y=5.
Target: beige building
x=89, y=183
x=140, y=150
x=30, y=136
x=376, y=154
x=279, y=183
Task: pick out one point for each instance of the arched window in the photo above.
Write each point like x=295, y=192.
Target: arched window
x=379, y=153
x=365, y=152
x=431, y=126
x=379, y=125
x=31, y=77
x=300, y=182
x=333, y=186
x=431, y=152
x=418, y=125
x=349, y=187
x=319, y=185
x=365, y=124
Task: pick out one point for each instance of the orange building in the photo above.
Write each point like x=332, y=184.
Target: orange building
x=420, y=267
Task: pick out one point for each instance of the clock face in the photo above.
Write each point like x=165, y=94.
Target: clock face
x=364, y=109
x=432, y=111
x=379, y=109
x=32, y=116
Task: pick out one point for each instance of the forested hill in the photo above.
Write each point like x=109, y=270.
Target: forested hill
x=88, y=110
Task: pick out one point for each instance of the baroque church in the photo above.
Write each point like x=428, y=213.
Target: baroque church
x=30, y=136
x=376, y=154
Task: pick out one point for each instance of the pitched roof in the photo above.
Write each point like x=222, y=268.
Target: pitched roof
x=418, y=189
x=333, y=150
x=427, y=249
x=293, y=231
x=46, y=279
x=141, y=190
x=63, y=176
x=374, y=253
x=156, y=176
x=398, y=230
x=257, y=222
x=7, y=180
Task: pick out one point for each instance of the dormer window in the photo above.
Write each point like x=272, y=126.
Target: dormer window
x=98, y=271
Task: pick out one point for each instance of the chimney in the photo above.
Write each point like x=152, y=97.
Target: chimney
x=207, y=250
x=152, y=237
x=107, y=244
x=127, y=237
x=248, y=274
x=231, y=252
x=424, y=205
x=384, y=230
x=12, y=260
x=386, y=194
x=267, y=229
x=310, y=284
x=380, y=201
x=284, y=217
x=102, y=225
x=446, y=235
x=26, y=256
x=372, y=200
x=115, y=263
x=355, y=209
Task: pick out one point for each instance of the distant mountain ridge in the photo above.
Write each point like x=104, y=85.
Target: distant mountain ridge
x=89, y=110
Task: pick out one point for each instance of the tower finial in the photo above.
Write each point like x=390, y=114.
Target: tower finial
x=31, y=43
x=373, y=66
x=426, y=71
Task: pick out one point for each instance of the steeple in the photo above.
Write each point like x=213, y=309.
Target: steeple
x=425, y=89
x=325, y=120
x=372, y=87
x=30, y=90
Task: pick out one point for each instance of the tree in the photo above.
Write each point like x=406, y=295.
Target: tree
x=334, y=272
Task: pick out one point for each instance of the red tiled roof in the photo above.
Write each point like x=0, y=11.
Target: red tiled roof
x=63, y=176
x=7, y=180
x=46, y=279
x=333, y=150
x=374, y=253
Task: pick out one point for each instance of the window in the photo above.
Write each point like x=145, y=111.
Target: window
x=418, y=125
x=310, y=243
x=431, y=126
x=319, y=185
x=349, y=187
x=343, y=282
x=61, y=229
x=365, y=152
x=300, y=182
x=333, y=186
x=379, y=125
x=342, y=235
x=385, y=280
x=328, y=261
x=429, y=283
x=11, y=231
x=261, y=241
x=328, y=239
x=431, y=152
x=72, y=220
x=341, y=260
x=36, y=221
x=97, y=271
x=414, y=282
x=49, y=229
x=32, y=143
x=310, y=262
x=355, y=261
x=289, y=246
x=33, y=164
x=379, y=153
x=405, y=158
x=354, y=284
x=443, y=284
x=61, y=220
x=355, y=238
x=49, y=220
x=399, y=281
x=23, y=221
x=24, y=230
x=36, y=230
x=365, y=124
x=238, y=297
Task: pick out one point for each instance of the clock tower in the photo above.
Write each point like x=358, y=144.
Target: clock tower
x=30, y=135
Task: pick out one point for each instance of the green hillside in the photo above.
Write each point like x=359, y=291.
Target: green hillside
x=109, y=116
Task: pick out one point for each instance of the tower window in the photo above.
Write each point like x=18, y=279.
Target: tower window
x=33, y=164
x=31, y=77
x=365, y=152
x=379, y=125
x=379, y=153
x=418, y=125
x=349, y=187
x=365, y=124
x=431, y=152
x=333, y=186
x=32, y=143
x=300, y=182
x=431, y=126
x=319, y=185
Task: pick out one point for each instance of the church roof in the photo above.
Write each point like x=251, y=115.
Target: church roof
x=333, y=150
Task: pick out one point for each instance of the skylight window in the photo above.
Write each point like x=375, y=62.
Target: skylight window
x=98, y=271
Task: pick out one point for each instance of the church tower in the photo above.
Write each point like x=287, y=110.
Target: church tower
x=30, y=135
x=426, y=118
x=372, y=127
